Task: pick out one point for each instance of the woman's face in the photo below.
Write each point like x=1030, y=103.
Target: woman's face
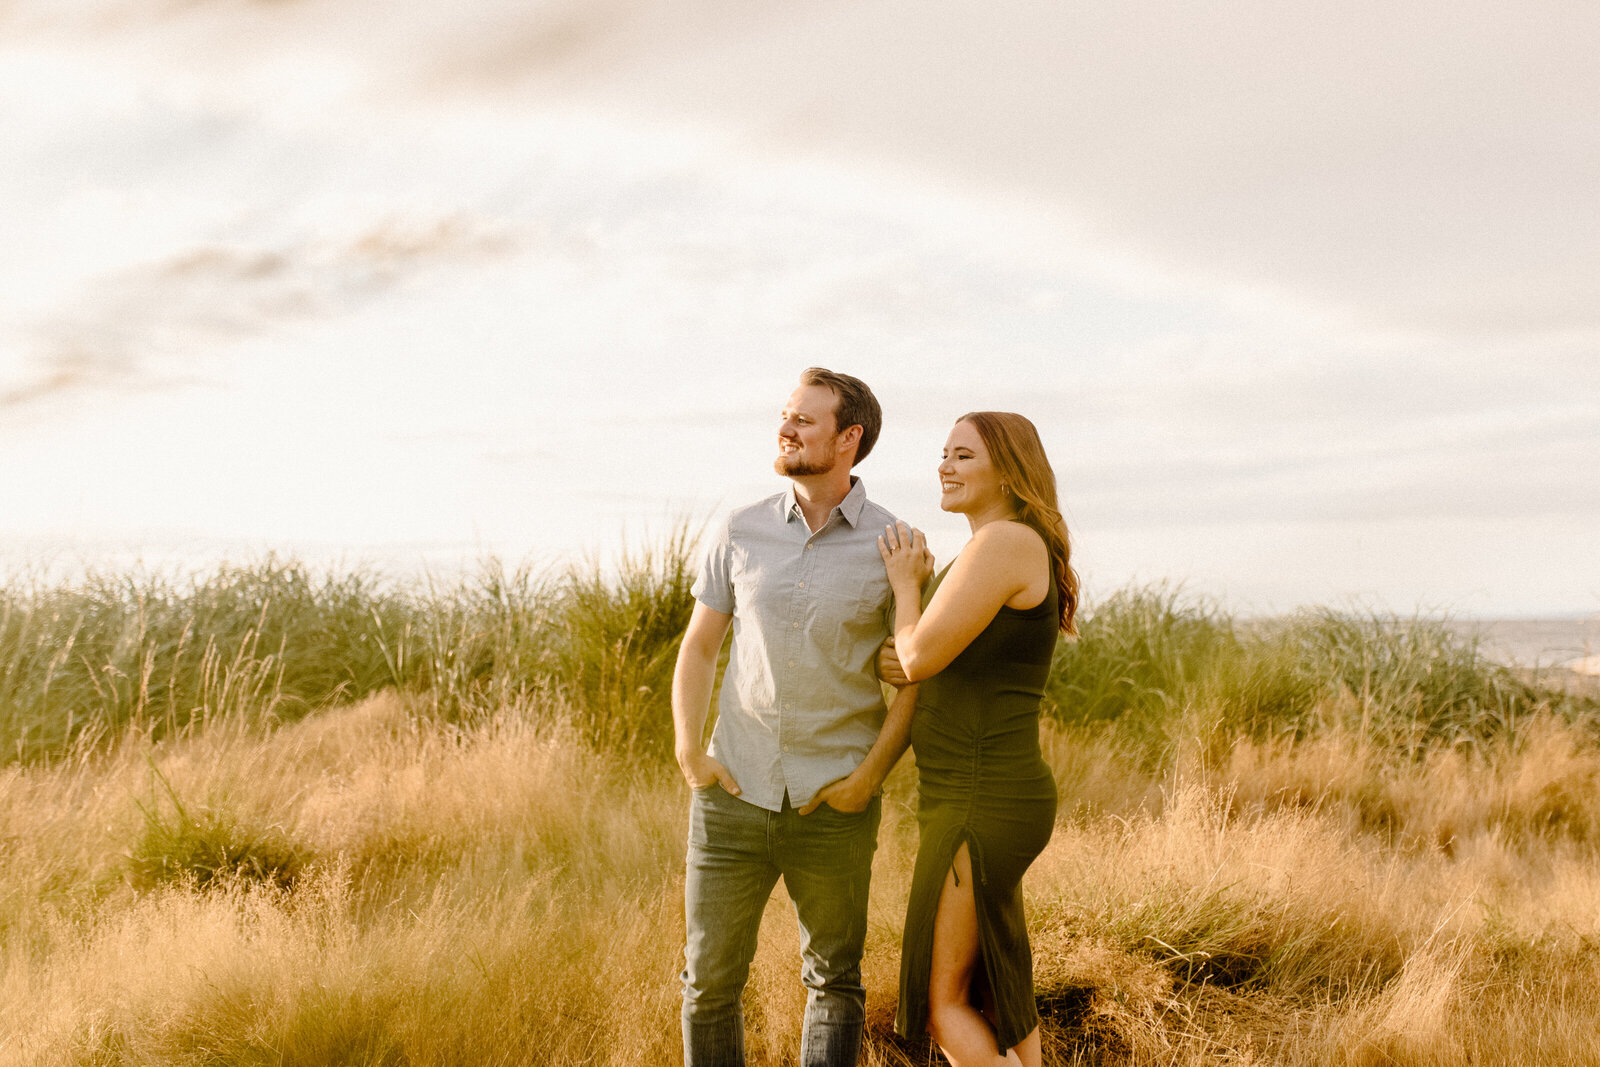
x=968, y=482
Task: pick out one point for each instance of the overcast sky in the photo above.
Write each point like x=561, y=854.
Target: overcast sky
x=1305, y=299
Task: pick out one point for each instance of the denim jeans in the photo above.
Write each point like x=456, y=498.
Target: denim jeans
x=737, y=853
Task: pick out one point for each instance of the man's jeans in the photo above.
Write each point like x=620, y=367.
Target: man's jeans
x=737, y=852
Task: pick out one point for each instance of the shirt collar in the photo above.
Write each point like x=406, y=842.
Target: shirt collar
x=850, y=507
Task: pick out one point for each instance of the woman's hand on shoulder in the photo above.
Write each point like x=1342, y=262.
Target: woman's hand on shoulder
x=905, y=556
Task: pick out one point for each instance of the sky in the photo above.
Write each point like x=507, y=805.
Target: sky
x=1304, y=298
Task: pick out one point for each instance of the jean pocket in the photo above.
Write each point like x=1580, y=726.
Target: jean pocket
x=830, y=809
x=829, y=820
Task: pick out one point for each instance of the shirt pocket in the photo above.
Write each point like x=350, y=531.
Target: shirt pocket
x=849, y=624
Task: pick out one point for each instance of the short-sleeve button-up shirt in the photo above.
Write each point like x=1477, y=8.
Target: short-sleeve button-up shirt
x=800, y=703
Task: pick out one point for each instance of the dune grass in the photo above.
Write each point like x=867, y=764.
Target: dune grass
x=1147, y=656
x=508, y=893
x=378, y=826
x=82, y=664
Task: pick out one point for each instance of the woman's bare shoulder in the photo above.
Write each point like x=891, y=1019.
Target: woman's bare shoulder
x=1007, y=536
x=1011, y=549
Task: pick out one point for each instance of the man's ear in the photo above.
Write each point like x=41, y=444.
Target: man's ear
x=849, y=438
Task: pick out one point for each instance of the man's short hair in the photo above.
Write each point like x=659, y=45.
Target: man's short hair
x=857, y=406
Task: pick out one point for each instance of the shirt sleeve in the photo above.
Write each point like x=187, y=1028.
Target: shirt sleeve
x=714, y=586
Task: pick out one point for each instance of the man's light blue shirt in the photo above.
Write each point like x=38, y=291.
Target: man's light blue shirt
x=800, y=704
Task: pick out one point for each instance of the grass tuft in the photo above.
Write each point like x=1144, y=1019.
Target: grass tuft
x=207, y=847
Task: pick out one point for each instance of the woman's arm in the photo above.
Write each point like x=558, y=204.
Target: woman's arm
x=1002, y=560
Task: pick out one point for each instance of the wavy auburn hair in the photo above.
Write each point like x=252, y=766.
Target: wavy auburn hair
x=1018, y=457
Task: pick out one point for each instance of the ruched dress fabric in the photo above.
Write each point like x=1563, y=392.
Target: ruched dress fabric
x=982, y=780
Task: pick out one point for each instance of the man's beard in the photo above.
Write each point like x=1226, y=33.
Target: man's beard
x=795, y=467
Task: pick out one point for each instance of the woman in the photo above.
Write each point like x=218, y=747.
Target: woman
x=981, y=645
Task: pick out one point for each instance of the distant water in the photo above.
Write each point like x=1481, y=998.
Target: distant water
x=1535, y=642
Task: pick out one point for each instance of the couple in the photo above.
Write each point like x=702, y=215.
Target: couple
x=824, y=592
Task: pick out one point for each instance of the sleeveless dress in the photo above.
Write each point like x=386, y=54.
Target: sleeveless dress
x=982, y=780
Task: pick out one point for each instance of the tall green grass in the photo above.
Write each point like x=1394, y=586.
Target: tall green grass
x=82, y=662
x=1147, y=657
x=273, y=640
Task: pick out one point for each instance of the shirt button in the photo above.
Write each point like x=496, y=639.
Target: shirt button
x=794, y=626
x=802, y=585
x=808, y=548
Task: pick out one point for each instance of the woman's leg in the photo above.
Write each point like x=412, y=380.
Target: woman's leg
x=960, y=1029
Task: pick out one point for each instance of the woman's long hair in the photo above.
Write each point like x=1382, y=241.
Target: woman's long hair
x=1018, y=457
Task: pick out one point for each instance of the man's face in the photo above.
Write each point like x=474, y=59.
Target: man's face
x=808, y=439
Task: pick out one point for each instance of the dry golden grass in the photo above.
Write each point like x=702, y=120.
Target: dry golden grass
x=385, y=888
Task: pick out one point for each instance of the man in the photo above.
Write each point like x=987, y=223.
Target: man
x=801, y=743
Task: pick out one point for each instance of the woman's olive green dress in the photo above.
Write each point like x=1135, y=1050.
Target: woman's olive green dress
x=982, y=780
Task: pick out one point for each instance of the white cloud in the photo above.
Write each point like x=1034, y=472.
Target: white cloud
x=1429, y=166
x=1422, y=165
x=1302, y=298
